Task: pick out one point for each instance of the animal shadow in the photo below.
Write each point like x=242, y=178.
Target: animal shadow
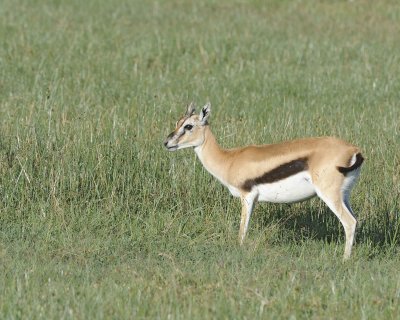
x=316, y=221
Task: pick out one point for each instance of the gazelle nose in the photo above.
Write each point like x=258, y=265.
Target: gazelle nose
x=165, y=143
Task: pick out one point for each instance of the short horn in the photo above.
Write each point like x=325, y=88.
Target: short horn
x=190, y=109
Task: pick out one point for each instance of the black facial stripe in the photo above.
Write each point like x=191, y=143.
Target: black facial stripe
x=279, y=173
x=183, y=132
x=171, y=135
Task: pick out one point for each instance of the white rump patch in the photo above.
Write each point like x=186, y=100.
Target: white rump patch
x=353, y=159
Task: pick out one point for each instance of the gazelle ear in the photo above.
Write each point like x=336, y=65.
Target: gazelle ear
x=205, y=113
x=190, y=109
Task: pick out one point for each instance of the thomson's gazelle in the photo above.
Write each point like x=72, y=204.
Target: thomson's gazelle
x=285, y=172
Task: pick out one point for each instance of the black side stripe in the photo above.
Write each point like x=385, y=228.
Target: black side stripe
x=357, y=164
x=279, y=173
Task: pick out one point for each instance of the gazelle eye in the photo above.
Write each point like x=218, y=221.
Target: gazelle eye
x=188, y=127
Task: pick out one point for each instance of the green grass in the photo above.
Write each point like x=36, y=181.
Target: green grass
x=97, y=220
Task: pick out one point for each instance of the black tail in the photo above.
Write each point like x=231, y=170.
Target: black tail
x=357, y=164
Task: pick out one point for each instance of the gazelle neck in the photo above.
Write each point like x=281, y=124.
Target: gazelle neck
x=212, y=156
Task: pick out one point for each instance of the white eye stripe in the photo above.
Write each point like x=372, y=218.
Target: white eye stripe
x=181, y=132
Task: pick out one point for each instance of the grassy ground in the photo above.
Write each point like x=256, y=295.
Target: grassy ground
x=97, y=220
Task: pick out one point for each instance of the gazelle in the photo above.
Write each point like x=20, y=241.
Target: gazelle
x=286, y=172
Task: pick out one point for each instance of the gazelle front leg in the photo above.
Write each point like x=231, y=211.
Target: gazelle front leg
x=248, y=202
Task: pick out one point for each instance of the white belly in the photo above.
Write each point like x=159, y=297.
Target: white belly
x=292, y=189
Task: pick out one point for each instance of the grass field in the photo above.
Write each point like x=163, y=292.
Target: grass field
x=98, y=221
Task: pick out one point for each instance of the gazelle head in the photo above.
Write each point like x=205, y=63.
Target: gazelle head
x=189, y=130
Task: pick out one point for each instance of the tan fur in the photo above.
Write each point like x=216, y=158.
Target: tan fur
x=229, y=164
x=234, y=166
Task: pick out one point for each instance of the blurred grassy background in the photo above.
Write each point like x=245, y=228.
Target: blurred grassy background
x=97, y=220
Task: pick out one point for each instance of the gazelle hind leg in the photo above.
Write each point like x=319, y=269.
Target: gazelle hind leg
x=348, y=183
x=338, y=207
x=350, y=235
x=335, y=192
